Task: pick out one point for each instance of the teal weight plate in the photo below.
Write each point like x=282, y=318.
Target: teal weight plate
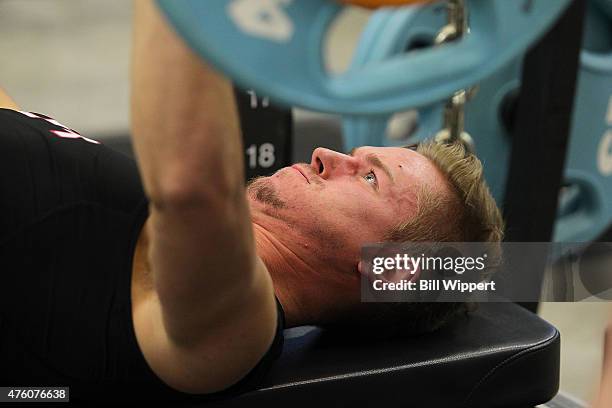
x=276, y=48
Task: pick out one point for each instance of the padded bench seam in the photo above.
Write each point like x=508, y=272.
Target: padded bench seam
x=402, y=367
x=531, y=349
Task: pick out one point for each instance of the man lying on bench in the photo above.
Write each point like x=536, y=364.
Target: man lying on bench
x=165, y=279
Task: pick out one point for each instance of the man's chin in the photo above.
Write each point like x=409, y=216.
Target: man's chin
x=263, y=191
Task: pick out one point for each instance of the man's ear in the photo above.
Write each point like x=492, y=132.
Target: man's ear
x=365, y=271
x=411, y=274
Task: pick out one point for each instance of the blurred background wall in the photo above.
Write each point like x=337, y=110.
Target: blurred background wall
x=69, y=60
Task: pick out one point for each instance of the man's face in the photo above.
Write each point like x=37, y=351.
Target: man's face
x=342, y=201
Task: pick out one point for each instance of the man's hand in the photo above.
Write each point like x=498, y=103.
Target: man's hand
x=6, y=102
x=214, y=313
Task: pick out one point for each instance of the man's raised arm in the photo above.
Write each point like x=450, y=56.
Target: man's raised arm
x=214, y=314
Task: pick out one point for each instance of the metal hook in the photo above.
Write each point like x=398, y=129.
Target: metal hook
x=454, y=111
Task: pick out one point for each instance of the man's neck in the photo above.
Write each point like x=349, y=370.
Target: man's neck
x=292, y=276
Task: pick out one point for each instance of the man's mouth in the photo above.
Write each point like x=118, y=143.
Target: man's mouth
x=296, y=167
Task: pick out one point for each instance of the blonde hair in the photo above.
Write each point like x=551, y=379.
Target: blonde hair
x=468, y=214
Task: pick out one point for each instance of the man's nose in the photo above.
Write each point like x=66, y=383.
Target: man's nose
x=327, y=163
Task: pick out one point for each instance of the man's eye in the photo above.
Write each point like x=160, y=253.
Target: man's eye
x=371, y=178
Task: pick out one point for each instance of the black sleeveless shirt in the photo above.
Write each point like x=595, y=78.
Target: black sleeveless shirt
x=71, y=210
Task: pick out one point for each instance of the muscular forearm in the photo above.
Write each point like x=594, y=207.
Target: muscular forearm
x=184, y=119
x=189, y=151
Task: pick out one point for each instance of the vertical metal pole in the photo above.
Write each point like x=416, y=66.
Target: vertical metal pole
x=541, y=134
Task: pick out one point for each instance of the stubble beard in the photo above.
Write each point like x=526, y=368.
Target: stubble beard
x=262, y=190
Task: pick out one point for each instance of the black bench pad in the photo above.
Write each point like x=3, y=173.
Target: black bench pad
x=501, y=356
